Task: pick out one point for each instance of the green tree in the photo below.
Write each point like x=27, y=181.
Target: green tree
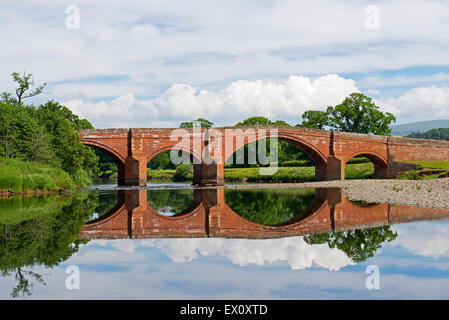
x=254, y=121
x=76, y=158
x=314, y=119
x=358, y=113
x=358, y=245
x=203, y=122
x=25, y=81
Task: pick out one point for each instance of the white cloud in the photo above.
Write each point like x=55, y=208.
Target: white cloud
x=410, y=105
x=241, y=99
x=427, y=239
x=295, y=251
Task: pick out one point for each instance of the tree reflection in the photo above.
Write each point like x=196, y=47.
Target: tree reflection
x=270, y=207
x=47, y=238
x=358, y=245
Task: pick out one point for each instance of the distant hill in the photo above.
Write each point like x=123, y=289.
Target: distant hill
x=422, y=126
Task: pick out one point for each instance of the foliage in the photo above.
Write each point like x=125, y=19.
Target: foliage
x=45, y=134
x=161, y=161
x=269, y=207
x=296, y=163
x=203, y=123
x=357, y=113
x=25, y=81
x=182, y=171
x=314, y=119
x=358, y=245
x=435, y=134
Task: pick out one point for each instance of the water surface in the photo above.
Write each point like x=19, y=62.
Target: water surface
x=172, y=241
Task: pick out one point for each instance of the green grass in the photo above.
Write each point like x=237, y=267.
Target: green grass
x=22, y=176
x=427, y=170
x=283, y=174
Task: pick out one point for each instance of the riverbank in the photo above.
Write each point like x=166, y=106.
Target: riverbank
x=23, y=177
x=421, y=193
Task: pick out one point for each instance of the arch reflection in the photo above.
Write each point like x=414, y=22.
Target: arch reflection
x=209, y=215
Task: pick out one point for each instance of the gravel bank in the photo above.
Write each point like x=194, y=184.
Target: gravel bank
x=421, y=193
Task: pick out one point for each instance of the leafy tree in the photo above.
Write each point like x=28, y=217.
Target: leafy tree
x=358, y=113
x=61, y=124
x=25, y=81
x=203, y=122
x=314, y=119
x=161, y=161
x=254, y=121
x=358, y=245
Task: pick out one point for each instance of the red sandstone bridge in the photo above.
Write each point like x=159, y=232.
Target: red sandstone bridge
x=132, y=149
x=210, y=216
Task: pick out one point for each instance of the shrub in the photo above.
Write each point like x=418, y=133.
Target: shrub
x=182, y=171
x=296, y=163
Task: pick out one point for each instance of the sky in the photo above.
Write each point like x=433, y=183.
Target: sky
x=157, y=63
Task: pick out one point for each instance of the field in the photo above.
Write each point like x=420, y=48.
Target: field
x=283, y=174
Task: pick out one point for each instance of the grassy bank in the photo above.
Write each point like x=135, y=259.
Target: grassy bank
x=283, y=174
x=427, y=170
x=21, y=176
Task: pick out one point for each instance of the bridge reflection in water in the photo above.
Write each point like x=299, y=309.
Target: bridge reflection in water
x=210, y=216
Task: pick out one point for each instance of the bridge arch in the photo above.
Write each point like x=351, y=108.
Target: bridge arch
x=106, y=149
x=314, y=153
x=378, y=160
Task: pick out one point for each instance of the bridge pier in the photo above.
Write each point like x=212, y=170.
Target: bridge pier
x=208, y=174
x=335, y=168
x=134, y=172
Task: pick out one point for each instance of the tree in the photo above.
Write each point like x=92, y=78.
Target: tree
x=314, y=119
x=203, y=122
x=358, y=245
x=255, y=121
x=358, y=113
x=25, y=81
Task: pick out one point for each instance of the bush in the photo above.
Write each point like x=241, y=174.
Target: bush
x=296, y=163
x=81, y=178
x=182, y=171
x=358, y=160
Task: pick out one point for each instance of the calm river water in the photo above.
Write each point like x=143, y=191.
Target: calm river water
x=171, y=241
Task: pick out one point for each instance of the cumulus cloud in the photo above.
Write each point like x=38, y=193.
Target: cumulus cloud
x=427, y=239
x=295, y=251
x=410, y=105
x=241, y=99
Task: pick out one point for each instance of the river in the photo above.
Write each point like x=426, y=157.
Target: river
x=173, y=241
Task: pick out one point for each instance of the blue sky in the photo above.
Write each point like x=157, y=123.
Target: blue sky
x=157, y=63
